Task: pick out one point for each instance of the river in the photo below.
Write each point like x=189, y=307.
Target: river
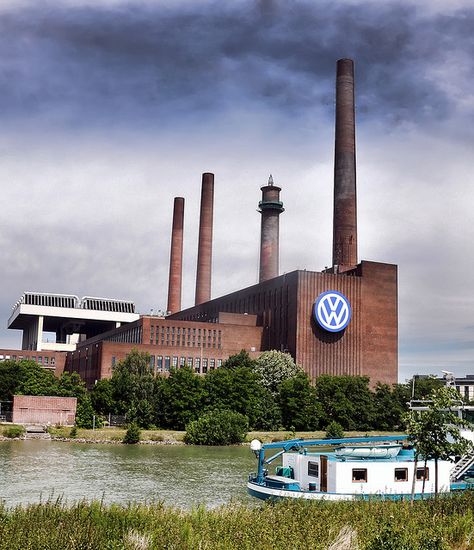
x=182, y=476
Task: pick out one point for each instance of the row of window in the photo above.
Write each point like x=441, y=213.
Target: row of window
x=163, y=363
x=129, y=336
x=359, y=475
x=37, y=358
x=182, y=336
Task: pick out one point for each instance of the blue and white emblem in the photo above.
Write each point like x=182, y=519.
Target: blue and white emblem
x=332, y=311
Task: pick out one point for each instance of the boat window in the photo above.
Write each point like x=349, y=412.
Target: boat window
x=359, y=474
x=422, y=473
x=313, y=469
x=401, y=474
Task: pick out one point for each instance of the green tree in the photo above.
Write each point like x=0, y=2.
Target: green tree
x=85, y=413
x=347, y=400
x=435, y=432
x=390, y=406
x=133, y=388
x=241, y=359
x=132, y=435
x=334, y=431
x=217, y=428
x=239, y=389
x=274, y=367
x=422, y=386
x=102, y=397
x=72, y=385
x=299, y=405
x=180, y=398
x=29, y=379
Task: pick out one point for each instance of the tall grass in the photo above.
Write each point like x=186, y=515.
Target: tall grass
x=446, y=523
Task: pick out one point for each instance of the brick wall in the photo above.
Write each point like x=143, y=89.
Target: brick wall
x=29, y=409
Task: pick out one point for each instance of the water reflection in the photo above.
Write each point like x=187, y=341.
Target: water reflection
x=179, y=475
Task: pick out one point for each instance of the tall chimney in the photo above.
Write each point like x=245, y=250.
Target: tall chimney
x=345, y=207
x=270, y=207
x=176, y=257
x=204, y=261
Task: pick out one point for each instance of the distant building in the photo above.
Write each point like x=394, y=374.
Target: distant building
x=69, y=318
x=201, y=346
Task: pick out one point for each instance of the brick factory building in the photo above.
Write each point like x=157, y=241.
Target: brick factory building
x=340, y=321
x=170, y=343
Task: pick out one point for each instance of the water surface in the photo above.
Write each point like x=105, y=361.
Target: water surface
x=182, y=476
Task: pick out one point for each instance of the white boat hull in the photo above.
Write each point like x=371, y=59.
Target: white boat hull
x=263, y=493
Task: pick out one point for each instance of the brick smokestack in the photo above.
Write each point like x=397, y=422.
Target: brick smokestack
x=270, y=207
x=204, y=261
x=345, y=207
x=176, y=257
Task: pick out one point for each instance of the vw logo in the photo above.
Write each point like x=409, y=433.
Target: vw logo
x=332, y=311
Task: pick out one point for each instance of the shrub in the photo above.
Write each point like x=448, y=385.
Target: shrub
x=334, y=430
x=132, y=435
x=14, y=431
x=217, y=428
x=73, y=432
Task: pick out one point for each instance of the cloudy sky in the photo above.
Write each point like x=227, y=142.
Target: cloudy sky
x=110, y=109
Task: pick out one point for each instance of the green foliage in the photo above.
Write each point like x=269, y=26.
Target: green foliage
x=25, y=378
x=14, y=431
x=444, y=524
x=132, y=435
x=85, y=414
x=334, y=430
x=424, y=386
x=102, y=397
x=133, y=387
x=180, y=397
x=239, y=389
x=241, y=359
x=347, y=400
x=435, y=432
x=217, y=428
x=299, y=405
x=73, y=432
x=390, y=405
x=274, y=367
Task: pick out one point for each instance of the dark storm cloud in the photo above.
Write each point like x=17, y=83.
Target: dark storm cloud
x=85, y=64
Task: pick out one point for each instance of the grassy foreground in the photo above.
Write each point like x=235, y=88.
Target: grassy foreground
x=447, y=523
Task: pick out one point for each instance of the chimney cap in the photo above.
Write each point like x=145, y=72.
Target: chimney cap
x=270, y=180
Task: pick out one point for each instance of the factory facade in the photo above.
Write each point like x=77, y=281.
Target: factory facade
x=340, y=321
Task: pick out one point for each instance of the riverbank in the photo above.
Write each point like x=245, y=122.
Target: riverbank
x=170, y=437
x=445, y=524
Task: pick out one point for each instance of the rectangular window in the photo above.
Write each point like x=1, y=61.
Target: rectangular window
x=175, y=361
x=197, y=364
x=53, y=361
x=167, y=362
x=219, y=363
x=40, y=359
x=114, y=360
x=401, y=474
x=46, y=360
x=190, y=362
x=359, y=475
x=159, y=362
x=422, y=473
x=182, y=362
x=204, y=365
x=212, y=364
x=152, y=363
x=313, y=469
